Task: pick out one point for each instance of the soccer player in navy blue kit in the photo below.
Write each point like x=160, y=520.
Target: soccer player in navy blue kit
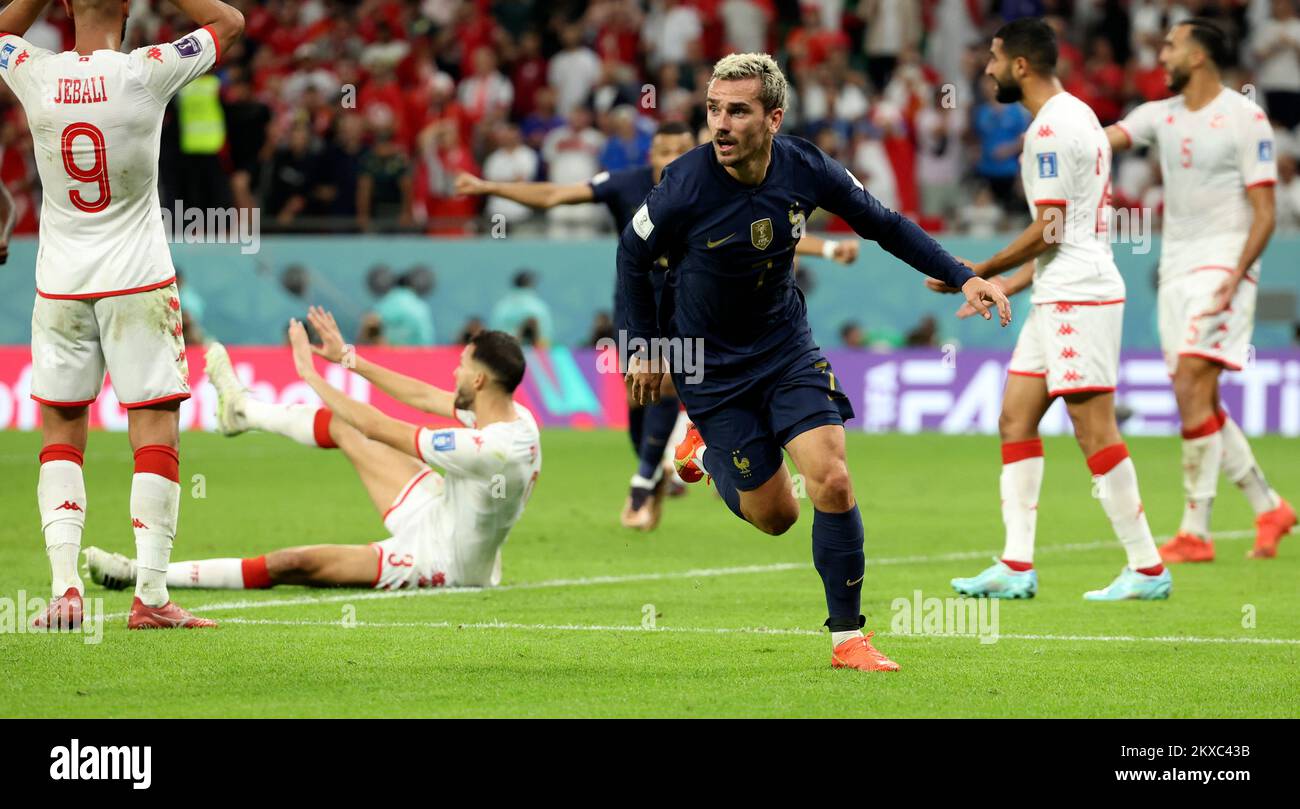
x=622, y=192
x=727, y=216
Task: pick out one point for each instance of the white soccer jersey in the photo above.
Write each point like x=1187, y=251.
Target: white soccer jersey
x=1066, y=161
x=96, y=122
x=488, y=477
x=1208, y=158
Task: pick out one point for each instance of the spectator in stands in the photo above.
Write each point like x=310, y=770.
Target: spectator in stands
x=543, y=120
x=572, y=154
x=1000, y=129
x=602, y=328
x=485, y=95
x=940, y=128
x=249, y=137
x=981, y=216
x=924, y=334
x=521, y=310
x=293, y=169
x=892, y=25
x=745, y=25
x=672, y=33
x=384, y=184
x=1288, y=194
x=852, y=335
x=403, y=312
x=628, y=146
x=511, y=162
x=472, y=327
x=573, y=72
x=1276, y=46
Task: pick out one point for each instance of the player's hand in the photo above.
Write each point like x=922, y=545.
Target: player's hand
x=644, y=381
x=469, y=185
x=846, y=251
x=1223, y=295
x=966, y=310
x=301, y=349
x=332, y=347
x=935, y=285
x=981, y=295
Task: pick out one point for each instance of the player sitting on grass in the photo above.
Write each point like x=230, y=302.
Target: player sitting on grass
x=729, y=215
x=1069, y=346
x=446, y=529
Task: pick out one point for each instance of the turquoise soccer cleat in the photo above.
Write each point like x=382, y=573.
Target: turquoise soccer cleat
x=1133, y=586
x=999, y=581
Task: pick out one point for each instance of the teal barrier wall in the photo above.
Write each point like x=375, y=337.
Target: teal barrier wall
x=246, y=304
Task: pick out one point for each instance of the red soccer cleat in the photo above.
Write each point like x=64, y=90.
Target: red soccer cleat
x=1187, y=548
x=168, y=616
x=684, y=458
x=1270, y=527
x=63, y=614
x=858, y=653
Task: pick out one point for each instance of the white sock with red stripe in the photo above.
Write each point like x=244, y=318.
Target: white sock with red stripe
x=155, y=505
x=1116, y=485
x=1240, y=467
x=220, y=574
x=61, y=496
x=307, y=424
x=1202, y=456
x=1022, y=478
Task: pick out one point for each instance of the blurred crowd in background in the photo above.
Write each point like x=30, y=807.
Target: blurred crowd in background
x=356, y=115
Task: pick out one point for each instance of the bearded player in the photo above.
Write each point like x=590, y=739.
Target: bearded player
x=1069, y=346
x=622, y=192
x=1217, y=159
x=447, y=529
x=727, y=215
x=106, y=294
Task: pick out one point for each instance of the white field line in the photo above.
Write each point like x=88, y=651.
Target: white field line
x=699, y=573
x=748, y=630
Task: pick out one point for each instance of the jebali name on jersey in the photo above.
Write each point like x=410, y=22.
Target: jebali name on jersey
x=81, y=91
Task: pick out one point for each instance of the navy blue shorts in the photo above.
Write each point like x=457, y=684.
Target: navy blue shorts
x=751, y=427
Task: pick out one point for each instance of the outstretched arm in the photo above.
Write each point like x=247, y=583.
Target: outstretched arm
x=1043, y=233
x=534, y=195
x=403, y=388
x=224, y=20
x=845, y=251
x=366, y=419
x=20, y=15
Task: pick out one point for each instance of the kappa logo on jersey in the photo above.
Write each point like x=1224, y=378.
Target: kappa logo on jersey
x=4, y=54
x=1045, y=132
x=22, y=57
x=154, y=53
x=188, y=46
x=69, y=505
x=444, y=441
x=1266, y=150
x=1047, y=165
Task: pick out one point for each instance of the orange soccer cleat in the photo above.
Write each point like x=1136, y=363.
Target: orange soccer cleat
x=168, y=616
x=1187, y=548
x=684, y=458
x=63, y=614
x=858, y=653
x=1270, y=527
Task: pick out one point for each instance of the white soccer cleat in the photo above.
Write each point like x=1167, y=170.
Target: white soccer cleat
x=111, y=570
x=230, y=391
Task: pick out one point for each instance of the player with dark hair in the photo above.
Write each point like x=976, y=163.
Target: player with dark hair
x=447, y=529
x=1217, y=159
x=727, y=216
x=1069, y=346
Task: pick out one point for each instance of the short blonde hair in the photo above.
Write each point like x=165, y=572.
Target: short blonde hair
x=761, y=66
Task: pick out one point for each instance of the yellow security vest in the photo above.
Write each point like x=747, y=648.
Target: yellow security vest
x=202, y=121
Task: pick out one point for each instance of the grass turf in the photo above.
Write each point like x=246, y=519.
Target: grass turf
x=930, y=507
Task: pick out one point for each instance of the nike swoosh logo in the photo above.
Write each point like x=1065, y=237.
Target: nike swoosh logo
x=856, y=581
x=712, y=244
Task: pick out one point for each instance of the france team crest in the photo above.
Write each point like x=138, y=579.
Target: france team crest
x=1047, y=165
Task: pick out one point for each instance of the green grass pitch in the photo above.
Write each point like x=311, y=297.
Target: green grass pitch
x=564, y=637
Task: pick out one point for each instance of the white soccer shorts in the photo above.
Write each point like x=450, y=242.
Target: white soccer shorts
x=1186, y=331
x=414, y=555
x=136, y=338
x=1073, y=346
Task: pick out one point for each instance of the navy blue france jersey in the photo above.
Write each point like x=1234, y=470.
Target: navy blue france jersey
x=731, y=247
x=622, y=192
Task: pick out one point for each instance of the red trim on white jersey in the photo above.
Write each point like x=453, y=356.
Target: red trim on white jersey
x=1061, y=202
x=1124, y=129
x=216, y=43
x=1092, y=389
x=401, y=498
x=53, y=403
x=171, y=397
x=110, y=294
x=1082, y=303
x=1260, y=183
x=1038, y=374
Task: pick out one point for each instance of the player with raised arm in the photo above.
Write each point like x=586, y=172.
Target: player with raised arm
x=1069, y=346
x=1217, y=159
x=622, y=192
x=447, y=529
x=105, y=288
x=727, y=215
